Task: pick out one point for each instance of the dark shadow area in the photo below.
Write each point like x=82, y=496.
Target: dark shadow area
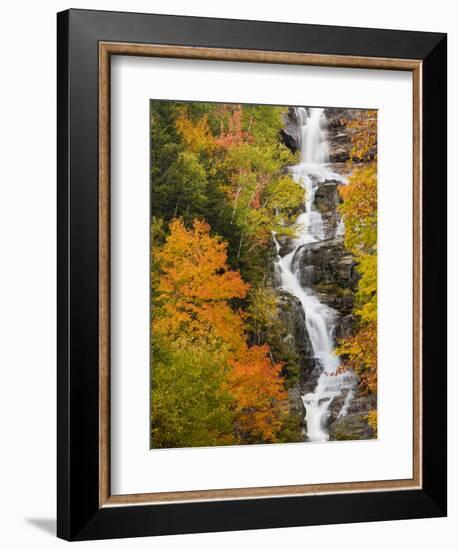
x=48, y=525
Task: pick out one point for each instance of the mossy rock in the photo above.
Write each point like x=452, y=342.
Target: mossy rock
x=350, y=427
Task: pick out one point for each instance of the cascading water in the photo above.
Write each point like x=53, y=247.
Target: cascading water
x=320, y=319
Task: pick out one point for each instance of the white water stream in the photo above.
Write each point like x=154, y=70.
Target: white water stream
x=320, y=319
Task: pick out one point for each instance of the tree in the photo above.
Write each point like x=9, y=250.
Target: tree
x=359, y=211
x=264, y=319
x=165, y=148
x=198, y=335
x=190, y=406
x=257, y=386
x=261, y=196
x=196, y=136
x=231, y=133
x=186, y=185
x=195, y=285
x=224, y=163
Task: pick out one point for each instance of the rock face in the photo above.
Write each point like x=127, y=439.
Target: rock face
x=354, y=424
x=329, y=270
x=289, y=134
x=326, y=263
x=351, y=426
x=338, y=132
x=298, y=341
x=327, y=199
x=293, y=318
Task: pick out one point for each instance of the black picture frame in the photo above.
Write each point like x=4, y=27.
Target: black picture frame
x=80, y=516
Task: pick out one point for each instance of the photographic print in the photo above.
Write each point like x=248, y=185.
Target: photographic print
x=219, y=266
x=263, y=274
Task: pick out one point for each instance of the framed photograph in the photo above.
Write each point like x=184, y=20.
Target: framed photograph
x=251, y=275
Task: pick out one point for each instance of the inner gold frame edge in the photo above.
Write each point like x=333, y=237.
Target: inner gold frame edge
x=106, y=50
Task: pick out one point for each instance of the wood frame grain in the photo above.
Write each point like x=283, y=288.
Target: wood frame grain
x=108, y=49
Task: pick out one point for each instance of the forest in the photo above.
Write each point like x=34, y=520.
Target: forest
x=223, y=370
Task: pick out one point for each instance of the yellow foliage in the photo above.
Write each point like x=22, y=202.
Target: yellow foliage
x=191, y=306
x=360, y=354
x=364, y=135
x=196, y=135
x=372, y=421
x=359, y=212
x=359, y=208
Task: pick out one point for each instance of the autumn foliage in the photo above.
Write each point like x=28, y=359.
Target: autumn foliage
x=219, y=371
x=196, y=135
x=359, y=211
x=257, y=386
x=221, y=363
x=195, y=285
x=192, y=316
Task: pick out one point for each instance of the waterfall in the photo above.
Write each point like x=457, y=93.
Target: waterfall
x=320, y=319
x=314, y=146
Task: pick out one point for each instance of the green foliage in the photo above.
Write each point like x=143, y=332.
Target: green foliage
x=285, y=196
x=291, y=430
x=331, y=288
x=343, y=435
x=191, y=313
x=261, y=311
x=165, y=148
x=223, y=163
x=186, y=186
x=189, y=405
x=266, y=326
x=220, y=357
x=263, y=122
